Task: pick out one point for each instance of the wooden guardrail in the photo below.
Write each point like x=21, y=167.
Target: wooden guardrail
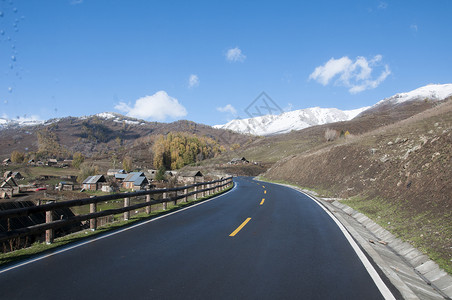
x=168, y=195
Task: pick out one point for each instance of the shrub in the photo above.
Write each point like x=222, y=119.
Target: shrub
x=330, y=135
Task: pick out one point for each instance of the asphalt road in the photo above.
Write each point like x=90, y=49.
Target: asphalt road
x=289, y=249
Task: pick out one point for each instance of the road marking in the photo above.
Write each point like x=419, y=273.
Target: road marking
x=262, y=202
x=101, y=237
x=240, y=227
x=263, y=186
x=382, y=287
x=265, y=192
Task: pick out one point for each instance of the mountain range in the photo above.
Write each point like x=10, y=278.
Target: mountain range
x=304, y=118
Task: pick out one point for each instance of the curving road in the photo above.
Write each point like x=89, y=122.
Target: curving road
x=258, y=241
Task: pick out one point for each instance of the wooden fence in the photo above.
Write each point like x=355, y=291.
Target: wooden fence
x=168, y=195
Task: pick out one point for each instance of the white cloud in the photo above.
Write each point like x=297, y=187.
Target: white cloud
x=382, y=5
x=355, y=75
x=193, y=81
x=235, y=54
x=414, y=27
x=228, y=108
x=156, y=107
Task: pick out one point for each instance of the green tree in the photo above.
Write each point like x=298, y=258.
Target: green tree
x=77, y=159
x=160, y=175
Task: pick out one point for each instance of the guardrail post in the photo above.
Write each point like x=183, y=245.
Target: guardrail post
x=148, y=208
x=126, y=204
x=209, y=192
x=186, y=197
x=49, y=232
x=195, y=196
x=164, y=203
x=93, y=221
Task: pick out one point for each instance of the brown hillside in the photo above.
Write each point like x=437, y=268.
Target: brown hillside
x=100, y=138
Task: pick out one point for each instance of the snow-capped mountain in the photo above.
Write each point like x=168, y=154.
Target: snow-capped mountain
x=293, y=120
x=434, y=92
x=4, y=122
x=115, y=117
x=303, y=118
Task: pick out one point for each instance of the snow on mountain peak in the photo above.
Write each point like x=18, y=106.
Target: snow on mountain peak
x=436, y=92
x=288, y=121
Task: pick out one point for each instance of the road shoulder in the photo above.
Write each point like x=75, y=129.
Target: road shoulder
x=412, y=273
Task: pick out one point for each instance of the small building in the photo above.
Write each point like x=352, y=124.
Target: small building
x=93, y=183
x=7, y=174
x=113, y=172
x=140, y=183
x=31, y=162
x=131, y=178
x=8, y=188
x=52, y=162
x=66, y=186
x=17, y=175
x=6, y=161
x=190, y=177
x=238, y=160
x=120, y=177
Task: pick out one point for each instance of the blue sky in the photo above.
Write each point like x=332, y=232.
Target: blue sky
x=206, y=61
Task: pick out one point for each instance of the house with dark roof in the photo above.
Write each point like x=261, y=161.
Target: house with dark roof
x=93, y=183
x=190, y=177
x=7, y=174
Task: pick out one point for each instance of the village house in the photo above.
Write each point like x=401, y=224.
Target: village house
x=8, y=188
x=190, y=177
x=120, y=177
x=135, y=181
x=7, y=174
x=141, y=183
x=113, y=172
x=238, y=160
x=93, y=183
x=6, y=161
x=52, y=162
x=66, y=186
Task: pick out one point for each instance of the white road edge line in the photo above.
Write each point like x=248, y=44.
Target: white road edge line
x=384, y=290
x=109, y=234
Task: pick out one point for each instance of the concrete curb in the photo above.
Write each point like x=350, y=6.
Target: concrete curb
x=437, y=282
x=428, y=269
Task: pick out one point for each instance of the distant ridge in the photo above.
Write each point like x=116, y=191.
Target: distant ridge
x=304, y=118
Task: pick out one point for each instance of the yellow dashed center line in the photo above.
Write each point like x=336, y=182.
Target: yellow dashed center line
x=262, y=202
x=240, y=227
x=265, y=192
